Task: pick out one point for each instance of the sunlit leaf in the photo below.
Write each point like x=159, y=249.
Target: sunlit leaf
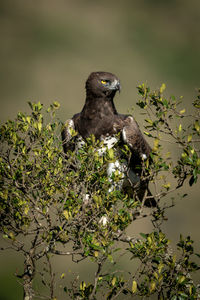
x=134, y=286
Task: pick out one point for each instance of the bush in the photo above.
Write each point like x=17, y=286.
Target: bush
x=55, y=204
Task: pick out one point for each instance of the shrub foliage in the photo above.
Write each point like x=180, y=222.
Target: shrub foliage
x=58, y=204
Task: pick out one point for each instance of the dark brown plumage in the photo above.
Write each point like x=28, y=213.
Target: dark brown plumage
x=100, y=118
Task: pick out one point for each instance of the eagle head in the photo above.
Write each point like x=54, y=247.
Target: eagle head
x=101, y=84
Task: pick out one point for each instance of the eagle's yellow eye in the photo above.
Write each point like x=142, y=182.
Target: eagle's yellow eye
x=103, y=81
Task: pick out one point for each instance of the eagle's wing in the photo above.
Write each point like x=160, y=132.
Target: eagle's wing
x=141, y=150
x=132, y=136
x=71, y=138
x=67, y=133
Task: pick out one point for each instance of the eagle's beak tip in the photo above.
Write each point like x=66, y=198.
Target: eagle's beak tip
x=118, y=87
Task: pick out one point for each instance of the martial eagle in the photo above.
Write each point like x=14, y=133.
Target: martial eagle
x=100, y=118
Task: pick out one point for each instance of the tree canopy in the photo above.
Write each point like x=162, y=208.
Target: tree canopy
x=58, y=204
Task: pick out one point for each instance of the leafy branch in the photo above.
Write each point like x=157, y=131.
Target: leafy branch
x=55, y=204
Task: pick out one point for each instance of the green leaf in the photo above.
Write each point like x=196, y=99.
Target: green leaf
x=162, y=88
x=111, y=153
x=110, y=258
x=152, y=286
x=143, y=235
x=56, y=104
x=182, y=111
x=39, y=125
x=134, y=286
x=197, y=126
x=189, y=138
x=82, y=286
x=149, y=121
x=113, y=281
x=146, y=133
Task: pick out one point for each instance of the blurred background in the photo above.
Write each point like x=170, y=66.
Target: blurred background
x=48, y=48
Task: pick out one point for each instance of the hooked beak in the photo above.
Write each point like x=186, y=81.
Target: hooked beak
x=116, y=85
